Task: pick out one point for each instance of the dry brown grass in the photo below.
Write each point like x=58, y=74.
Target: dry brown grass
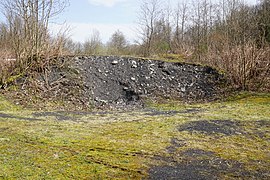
x=7, y=64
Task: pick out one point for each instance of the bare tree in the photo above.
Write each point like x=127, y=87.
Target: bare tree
x=27, y=22
x=117, y=44
x=4, y=42
x=181, y=18
x=161, y=41
x=201, y=26
x=263, y=17
x=93, y=44
x=150, y=13
x=167, y=14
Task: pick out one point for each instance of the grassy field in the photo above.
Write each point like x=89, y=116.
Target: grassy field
x=225, y=140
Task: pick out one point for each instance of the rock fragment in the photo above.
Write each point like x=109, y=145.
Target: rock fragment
x=114, y=62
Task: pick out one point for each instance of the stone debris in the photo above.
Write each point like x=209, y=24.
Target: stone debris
x=124, y=81
x=114, y=62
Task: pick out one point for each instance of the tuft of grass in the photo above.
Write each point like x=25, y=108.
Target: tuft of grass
x=6, y=105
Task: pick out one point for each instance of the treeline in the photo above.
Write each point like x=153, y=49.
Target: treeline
x=230, y=35
x=116, y=45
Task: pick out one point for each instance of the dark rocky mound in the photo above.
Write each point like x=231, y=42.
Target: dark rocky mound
x=122, y=81
x=119, y=82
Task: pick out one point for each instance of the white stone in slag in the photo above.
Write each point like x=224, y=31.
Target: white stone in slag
x=183, y=89
x=114, y=62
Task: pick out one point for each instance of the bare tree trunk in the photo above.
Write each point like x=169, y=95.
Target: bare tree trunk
x=181, y=17
x=150, y=12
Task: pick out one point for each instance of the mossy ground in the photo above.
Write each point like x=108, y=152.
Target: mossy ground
x=126, y=145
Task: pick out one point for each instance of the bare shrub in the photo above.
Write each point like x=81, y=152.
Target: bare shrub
x=6, y=69
x=247, y=66
x=93, y=45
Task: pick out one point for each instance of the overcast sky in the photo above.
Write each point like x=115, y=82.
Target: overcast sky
x=106, y=16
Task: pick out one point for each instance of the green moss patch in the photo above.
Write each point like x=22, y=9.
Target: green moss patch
x=218, y=140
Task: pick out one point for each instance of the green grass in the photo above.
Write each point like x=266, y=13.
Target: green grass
x=123, y=145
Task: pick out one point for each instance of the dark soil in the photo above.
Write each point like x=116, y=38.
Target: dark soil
x=159, y=113
x=204, y=165
x=76, y=115
x=225, y=127
x=170, y=113
x=70, y=115
x=61, y=116
x=8, y=116
x=198, y=164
